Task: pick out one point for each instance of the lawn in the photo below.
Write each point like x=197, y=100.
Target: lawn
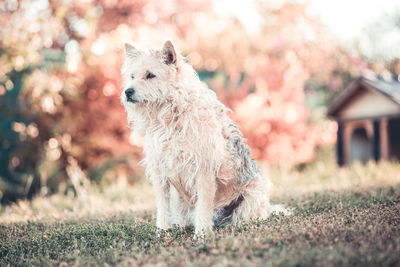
x=327, y=228
x=348, y=216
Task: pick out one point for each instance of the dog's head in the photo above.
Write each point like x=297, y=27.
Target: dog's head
x=149, y=75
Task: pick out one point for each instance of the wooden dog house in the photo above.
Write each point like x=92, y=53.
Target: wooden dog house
x=368, y=116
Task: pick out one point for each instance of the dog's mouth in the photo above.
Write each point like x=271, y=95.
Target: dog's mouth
x=131, y=100
x=136, y=101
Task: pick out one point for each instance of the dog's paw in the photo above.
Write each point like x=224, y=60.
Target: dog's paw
x=160, y=232
x=163, y=224
x=279, y=209
x=203, y=234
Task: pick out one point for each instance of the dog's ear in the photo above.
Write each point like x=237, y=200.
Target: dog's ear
x=169, y=52
x=131, y=51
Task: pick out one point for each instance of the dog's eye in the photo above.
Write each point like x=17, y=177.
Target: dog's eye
x=132, y=76
x=150, y=75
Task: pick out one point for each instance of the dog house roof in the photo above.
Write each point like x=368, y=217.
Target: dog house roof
x=388, y=89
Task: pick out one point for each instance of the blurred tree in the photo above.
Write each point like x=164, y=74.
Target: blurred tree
x=29, y=96
x=43, y=98
x=266, y=88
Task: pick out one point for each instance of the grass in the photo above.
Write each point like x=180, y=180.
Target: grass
x=100, y=201
x=350, y=228
x=348, y=216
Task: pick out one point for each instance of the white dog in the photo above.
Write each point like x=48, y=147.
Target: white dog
x=195, y=156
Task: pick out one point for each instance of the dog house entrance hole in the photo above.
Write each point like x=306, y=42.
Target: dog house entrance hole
x=394, y=135
x=361, y=148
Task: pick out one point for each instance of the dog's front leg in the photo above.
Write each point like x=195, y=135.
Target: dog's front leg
x=204, y=209
x=161, y=191
x=179, y=209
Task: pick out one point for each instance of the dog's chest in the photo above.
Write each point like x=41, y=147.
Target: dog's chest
x=169, y=160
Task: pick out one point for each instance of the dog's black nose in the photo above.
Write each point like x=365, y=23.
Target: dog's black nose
x=129, y=92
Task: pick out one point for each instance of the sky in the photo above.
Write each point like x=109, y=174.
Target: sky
x=348, y=17
x=349, y=20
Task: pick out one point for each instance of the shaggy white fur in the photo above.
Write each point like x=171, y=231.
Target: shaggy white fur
x=195, y=156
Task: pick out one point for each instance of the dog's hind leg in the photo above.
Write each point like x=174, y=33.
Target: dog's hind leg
x=256, y=204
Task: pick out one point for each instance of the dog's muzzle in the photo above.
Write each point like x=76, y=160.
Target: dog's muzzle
x=130, y=95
